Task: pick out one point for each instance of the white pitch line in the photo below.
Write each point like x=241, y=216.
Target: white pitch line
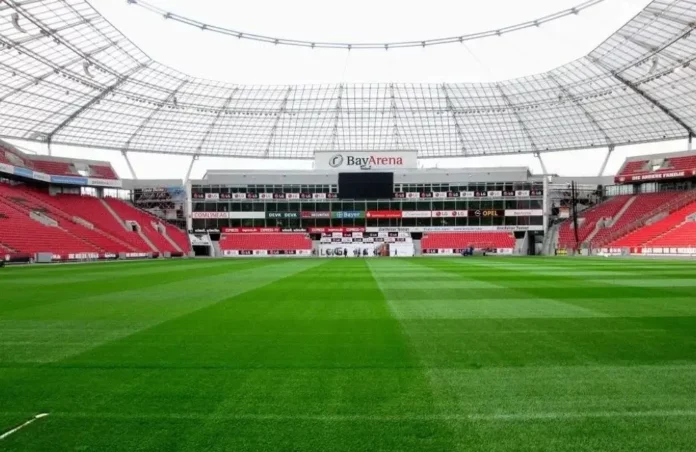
x=19, y=427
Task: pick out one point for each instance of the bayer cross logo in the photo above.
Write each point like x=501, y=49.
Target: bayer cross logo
x=336, y=161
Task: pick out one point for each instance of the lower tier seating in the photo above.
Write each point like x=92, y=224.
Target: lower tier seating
x=646, y=234
x=683, y=236
x=23, y=234
x=587, y=221
x=260, y=241
x=460, y=240
x=127, y=212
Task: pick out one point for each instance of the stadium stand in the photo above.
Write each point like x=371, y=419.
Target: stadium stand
x=658, y=229
x=646, y=166
x=460, y=240
x=24, y=234
x=587, y=221
x=55, y=167
x=146, y=222
x=681, y=236
x=263, y=241
x=639, y=206
x=102, y=172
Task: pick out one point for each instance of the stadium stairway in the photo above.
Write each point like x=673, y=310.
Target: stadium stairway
x=92, y=210
x=25, y=203
x=589, y=220
x=149, y=225
x=78, y=225
x=656, y=230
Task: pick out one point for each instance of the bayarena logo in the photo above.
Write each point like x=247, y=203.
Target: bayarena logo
x=365, y=163
x=336, y=161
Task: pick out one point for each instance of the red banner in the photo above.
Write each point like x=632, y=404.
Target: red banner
x=383, y=214
x=658, y=175
x=247, y=230
x=332, y=230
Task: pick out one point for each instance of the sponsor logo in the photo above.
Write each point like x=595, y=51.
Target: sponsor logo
x=83, y=256
x=109, y=183
x=336, y=161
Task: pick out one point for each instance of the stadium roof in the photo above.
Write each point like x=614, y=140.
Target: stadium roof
x=67, y=76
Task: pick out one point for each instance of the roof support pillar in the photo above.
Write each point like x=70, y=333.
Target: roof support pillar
x=606, y=160
x=124, y=153
x=194, y=157
x=50, y=151
x=543, y=167
x=691, y=139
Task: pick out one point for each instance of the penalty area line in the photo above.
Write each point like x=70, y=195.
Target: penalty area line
x=19, y=427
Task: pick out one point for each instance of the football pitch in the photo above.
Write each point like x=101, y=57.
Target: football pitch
x=479, y=354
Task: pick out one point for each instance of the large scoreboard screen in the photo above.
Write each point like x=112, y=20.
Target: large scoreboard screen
x=365, y=185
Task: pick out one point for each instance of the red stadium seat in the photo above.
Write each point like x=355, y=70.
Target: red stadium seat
x=461, y=240
x=265, y=241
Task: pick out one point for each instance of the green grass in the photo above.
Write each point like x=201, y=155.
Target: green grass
x=481, y=354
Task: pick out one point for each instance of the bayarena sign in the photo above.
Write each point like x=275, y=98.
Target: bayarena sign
x=365, y=161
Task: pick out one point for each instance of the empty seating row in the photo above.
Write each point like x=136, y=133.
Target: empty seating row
x=129, y=213
x=646, y=234
x=587, y=221
x=681, y=236
x=263, y=241
x=687, y=162
x=642, y=205
x=23, y=234
x=461, y=240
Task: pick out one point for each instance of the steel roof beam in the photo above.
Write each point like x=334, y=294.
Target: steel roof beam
x=93, y=101
x=656, y=103
x=396, y=136
x=14, y=5
x=45, y=75
x=147, y=120
x=451, y=110
x=210, y=128
x=519, y=118
x=337, y=117
x=581, y=107
x=281, y=110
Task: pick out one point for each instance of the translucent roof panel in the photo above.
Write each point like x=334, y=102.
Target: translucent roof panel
x=69, y=77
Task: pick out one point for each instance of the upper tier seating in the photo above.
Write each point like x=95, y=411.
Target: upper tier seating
x=263, y=241
x=461, y=240
x=102, y=172
x=642, y=236
x=57, y=168
x=634, y=167
x=687, y=162
x=683, y=236
x=607, y=209
x=129, y=213
x=641, y=206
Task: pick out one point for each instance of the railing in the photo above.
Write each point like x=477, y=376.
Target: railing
x=670, y=207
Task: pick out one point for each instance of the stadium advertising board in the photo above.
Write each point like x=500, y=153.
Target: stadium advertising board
x=348, y=214
x=333, y=230
x=306, y=214
x=248, y=230
x=383, y=214
x=457, y=228
x=365, y=161
x=468, y=194
x=227, y=215
x=283, y=214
